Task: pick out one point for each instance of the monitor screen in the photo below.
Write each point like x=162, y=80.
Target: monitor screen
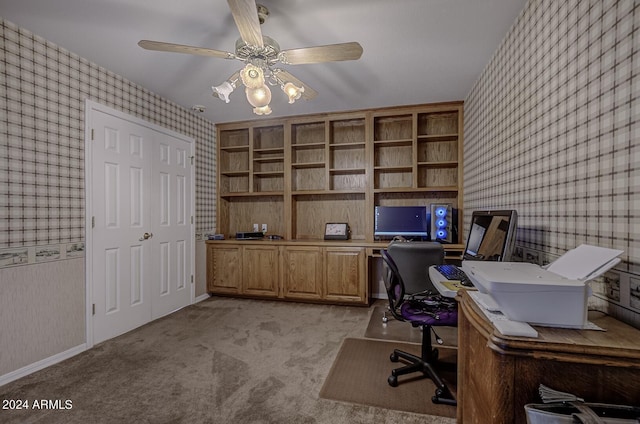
x=406, y=221
x=492, y=236
x=475, y=238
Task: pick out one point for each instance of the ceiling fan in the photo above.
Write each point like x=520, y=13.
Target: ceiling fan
x=261, y=55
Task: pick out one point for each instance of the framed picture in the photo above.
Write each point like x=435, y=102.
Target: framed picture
x=336, y=231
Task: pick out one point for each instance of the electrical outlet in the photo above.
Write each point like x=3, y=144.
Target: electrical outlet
x=612, y=285
x=256, y=228
x=264, y=228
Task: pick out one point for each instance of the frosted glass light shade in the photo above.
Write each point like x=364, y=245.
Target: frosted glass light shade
x=264, y=110
x=292, y=91
x=252, y=76
x=258, y=97
x=223, y=91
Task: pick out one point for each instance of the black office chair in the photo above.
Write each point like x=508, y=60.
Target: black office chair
x=421, y=311
x=413, y=259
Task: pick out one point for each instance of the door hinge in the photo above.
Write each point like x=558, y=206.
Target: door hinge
x=192, y=157
x=93, y=222
x=93, y=309
x=191, y=278
x=92, y=133
x=192, y=219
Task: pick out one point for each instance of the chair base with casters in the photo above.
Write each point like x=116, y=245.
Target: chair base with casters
x=424, y=312
x=424, y=364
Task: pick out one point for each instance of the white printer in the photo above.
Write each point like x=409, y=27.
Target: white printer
x=555, y=295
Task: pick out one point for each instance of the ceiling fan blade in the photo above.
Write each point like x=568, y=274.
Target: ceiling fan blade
x=308, y=94
x=180, y=48
x=245, y=13
x=330, y=53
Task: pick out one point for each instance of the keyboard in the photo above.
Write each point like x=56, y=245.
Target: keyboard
x=452, y=272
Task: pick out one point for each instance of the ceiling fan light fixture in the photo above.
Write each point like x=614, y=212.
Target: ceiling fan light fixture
x=292, y=91
x=223, y=91
x=258, y=97
x=252, y=76
x=264, y=110
x=261, y=55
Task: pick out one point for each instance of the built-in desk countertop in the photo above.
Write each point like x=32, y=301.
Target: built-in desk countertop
x=498, y=375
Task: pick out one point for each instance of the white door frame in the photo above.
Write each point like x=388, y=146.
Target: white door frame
x=90, y=107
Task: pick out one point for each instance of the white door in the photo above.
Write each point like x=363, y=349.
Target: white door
x=141, y=241
x=171, y=217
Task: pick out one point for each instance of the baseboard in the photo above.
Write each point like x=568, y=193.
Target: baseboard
x=44, y=363
x=201, y=298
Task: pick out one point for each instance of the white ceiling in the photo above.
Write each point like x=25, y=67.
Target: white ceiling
x=415, y=51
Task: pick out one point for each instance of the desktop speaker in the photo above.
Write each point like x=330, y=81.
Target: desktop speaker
x=444, y=223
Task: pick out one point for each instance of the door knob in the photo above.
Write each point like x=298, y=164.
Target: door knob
x=146, y=236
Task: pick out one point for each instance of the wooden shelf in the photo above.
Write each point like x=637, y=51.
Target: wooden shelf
x=404, y=142
x=272, y=150
x=394, y=168
x=268, y=174
x=326, y=192
x=436, y=137
x=442, y=164
x=235, y=148
x=308, y=165
x=452, y=189
x=348, y=171
x=252, y=194
x=308, y=146
x=347, y=145
x=234, y=173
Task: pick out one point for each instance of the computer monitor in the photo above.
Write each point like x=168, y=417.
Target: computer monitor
x=492, y=236
x=406, y=221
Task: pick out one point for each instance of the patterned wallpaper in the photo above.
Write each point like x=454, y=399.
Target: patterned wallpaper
x=552, y=129
x=42, y=106
x=43, y=89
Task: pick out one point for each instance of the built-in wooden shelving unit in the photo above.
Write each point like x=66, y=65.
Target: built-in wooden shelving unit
x=296, y=174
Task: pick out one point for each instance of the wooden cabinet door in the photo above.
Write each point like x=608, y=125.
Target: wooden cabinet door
x=344, y=275
x=261, y=271
x=224, y=269
x=302, y=272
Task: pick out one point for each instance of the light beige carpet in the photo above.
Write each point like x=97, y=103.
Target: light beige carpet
x=359, y=375
x=222, y=360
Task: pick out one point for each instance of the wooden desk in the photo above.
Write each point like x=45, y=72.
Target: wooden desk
x=498, y=375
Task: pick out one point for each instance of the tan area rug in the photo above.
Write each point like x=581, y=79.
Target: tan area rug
x=360, y=371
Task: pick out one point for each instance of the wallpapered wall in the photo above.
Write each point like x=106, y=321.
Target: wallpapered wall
x=552, y=129
x=43, y=89
x=42, y=149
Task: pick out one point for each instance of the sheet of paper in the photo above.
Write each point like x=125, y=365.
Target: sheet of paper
x=455, y=285
x=583, y=261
